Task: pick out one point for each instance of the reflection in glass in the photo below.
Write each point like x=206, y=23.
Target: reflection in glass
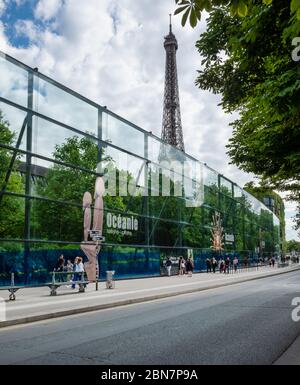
x=13, y=82
x=56, y=103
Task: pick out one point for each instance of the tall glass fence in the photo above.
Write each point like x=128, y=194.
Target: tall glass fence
x=53, y=145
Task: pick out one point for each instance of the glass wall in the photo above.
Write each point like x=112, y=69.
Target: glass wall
x=53, y=145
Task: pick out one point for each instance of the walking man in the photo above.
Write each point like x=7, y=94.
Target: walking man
x=169, y=266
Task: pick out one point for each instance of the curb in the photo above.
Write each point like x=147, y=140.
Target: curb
x=87, y=309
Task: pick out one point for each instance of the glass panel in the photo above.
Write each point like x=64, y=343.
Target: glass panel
x=16, y=177
x=56, y=142
x=130, y=261
x=14, y=119
x=123, y=135
x=226, y=186
x=13, y=82
x=210, y=177
x=211, y=196
x=159, y=151
x=64, y=107
x=238, y=192
x=12, y=211
x=11, y=261
x=165, y=233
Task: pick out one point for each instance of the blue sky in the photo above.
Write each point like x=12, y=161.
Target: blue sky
x=13, y=13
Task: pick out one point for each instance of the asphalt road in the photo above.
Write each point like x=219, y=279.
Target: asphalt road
x=248, y=323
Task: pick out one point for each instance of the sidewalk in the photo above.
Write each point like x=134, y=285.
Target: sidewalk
x=35, y=304
x=291, y=356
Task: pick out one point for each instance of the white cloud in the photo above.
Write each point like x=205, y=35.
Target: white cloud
x=112, y=52
x=2, y=7
x=47, y=9
x=27, y=28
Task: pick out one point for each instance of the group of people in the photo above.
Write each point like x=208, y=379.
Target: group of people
x=187, y=266
x=272, y=262
x=184, y=266
x=223, y=265
x=75, y=270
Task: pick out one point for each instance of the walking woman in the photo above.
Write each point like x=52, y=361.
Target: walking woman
x=78, y=270
x=181, y=266
x=235, y=264
x=214, y=264
x=189, y=267
x=222, y=265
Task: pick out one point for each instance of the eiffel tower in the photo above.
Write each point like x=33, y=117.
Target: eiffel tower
x=171, y=125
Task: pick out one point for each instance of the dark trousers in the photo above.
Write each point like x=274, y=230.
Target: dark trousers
x=76, y=277
x=60, y=277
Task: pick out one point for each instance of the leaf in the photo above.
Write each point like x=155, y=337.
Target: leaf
x=295, y=5
x=267, y=2
x=178, y=10
x=233, y=9
x=208, y=6
x=198, y=14
x=242, y=9
x=184, y=17
x=193, y=18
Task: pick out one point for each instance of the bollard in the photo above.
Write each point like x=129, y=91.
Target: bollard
x=53, y=277
x=110, y=282
x=81, y=284
x=12, y=290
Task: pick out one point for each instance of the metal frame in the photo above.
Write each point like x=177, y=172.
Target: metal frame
x=149, y=219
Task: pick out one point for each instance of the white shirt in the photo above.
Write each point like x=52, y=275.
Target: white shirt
x=79, y=267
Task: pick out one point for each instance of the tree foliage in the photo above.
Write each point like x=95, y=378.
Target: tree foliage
x=192, y=9
x=293, y=245
x=63, y=218
x=247, y=59
x=11, y=208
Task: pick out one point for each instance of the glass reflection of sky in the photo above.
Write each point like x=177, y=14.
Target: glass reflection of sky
x=52, y=101
x=13, y=82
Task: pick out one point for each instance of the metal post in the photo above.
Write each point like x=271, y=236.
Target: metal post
x=28, y=177
x=146, y=200
x=100, y=125
x=100, y=156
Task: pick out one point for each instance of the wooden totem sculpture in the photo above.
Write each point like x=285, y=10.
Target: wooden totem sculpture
x=92, y=247
x=217, y=232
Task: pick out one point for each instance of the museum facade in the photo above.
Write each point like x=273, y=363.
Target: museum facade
x=55, y=143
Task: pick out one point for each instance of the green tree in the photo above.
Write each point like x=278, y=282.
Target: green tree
x=11, y=208
x=247, y=59
x=192, y=9
x=293, y=245
x=261, y=192
x=59, y=216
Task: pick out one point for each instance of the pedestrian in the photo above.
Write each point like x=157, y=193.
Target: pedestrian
x=270, y=262
x=235, y=264
x=221, y=265
x=78, y=271
x=179, y=266
x=208, y=265
x=273, y=261
x=227, y=265
x=214, y=264
x=189, y=267
x=69, y=268
x=183, y=266
x=168, y=265
x=59, y=268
